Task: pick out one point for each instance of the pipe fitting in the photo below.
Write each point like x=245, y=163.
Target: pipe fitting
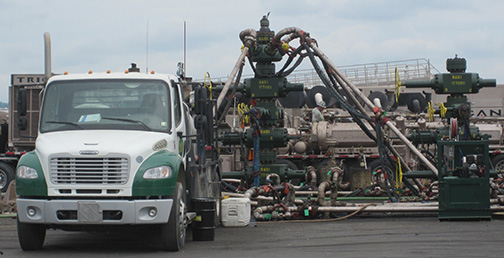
x=276, y=176
x=321, y=192
x=248, y=37
x=250, y=193
x=312, y=176
x=293, y=32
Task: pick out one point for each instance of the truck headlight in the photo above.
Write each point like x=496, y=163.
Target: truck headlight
x=26, y=172
x=158, y=172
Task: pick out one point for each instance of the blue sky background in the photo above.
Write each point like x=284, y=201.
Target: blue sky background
x=109, y=35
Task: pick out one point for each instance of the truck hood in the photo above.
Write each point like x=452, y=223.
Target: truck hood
x=101, y=143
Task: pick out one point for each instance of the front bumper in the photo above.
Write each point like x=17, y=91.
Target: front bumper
x=94, y=212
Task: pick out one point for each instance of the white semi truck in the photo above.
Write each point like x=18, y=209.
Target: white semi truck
x=114, y=149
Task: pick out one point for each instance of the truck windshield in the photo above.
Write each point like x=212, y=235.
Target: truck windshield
x=106, y=104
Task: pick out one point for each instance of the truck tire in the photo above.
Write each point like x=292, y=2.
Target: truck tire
x=216, y=194
x=173, y=233
x=498, y=162
x=417, y=103
x=6, y=176
x=31, y=236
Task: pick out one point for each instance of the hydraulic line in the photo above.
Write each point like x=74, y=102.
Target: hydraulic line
x=338, y=96
x=281, y=72
x=332, y=86
x=345, y=89
x=386, y=166
x=389, y=124
x=391, y=192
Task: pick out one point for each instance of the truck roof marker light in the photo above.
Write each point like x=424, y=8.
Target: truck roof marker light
x=65, y=73
x=126, y=71
x=108, y=71
x=152, y=72
x=90, y=72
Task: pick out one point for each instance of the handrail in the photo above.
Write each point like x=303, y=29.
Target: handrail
x=367, y=74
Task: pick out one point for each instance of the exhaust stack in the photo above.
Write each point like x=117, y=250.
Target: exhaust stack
x=47, y=55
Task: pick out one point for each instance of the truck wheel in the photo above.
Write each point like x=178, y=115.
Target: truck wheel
x=173, y=233
x=6, y=175
x=498, y=162
x=30, y=236
x=417, y=103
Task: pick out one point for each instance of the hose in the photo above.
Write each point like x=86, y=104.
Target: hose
x=354, y=113
x=389, y=124
x=281, y=72
x=320, y=220
x=225, y=186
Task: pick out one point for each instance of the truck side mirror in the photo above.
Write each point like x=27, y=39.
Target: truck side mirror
x=21, y=109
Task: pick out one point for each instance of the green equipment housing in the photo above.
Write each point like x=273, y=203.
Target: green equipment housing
x=462, y=152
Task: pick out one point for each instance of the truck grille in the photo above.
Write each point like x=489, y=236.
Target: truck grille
x=108, y=170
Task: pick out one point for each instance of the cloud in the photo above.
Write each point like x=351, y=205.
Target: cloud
x=102, y=35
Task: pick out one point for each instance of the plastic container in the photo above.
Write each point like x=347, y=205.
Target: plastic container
x=235, y=212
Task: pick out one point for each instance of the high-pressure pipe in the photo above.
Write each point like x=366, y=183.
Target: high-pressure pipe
x=258, y=197
x=312, y=173
x=356, y=90
x=321, y=192
x=292, y=31
x=408, y=207
x=335, y=181
x=273, y=175
x=47, y=55
x=248, y=37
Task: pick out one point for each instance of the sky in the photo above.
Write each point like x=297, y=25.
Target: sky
x=104, y=35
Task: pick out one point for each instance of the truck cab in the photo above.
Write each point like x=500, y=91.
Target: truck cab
x=111, y=150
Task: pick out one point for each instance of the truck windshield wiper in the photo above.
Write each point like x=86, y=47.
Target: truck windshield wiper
x=129, y=120
x=65, y=123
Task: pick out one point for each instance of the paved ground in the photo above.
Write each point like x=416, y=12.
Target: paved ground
x=377, y=236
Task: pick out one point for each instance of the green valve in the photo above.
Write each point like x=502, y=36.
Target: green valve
x=267, y=216
x=328, y=173
x=306, y=213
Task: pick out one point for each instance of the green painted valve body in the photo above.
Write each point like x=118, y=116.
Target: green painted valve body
x=462, y=152
x=264, y=89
